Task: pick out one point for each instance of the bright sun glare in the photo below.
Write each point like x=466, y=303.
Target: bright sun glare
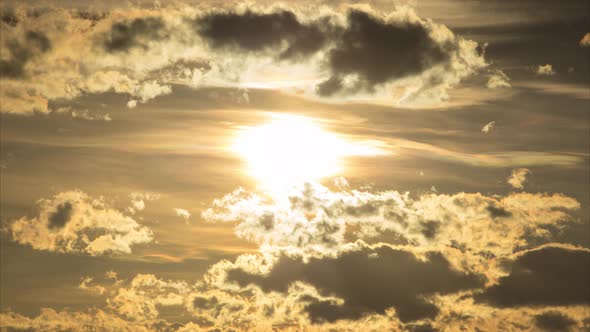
x=294, y=149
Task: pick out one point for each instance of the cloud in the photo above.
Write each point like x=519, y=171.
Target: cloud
x=61, y=54
x=488, y=127
x=367, y=279
x=314, y=219
x=545, y=70
x=375, y=51
x=498, y=79
x=31, y=44
x=132, y=103
x=73, y=222
x=548, y=275
x=585, y=41
x=138, y=200
x=85, y=284
x=134, y=33
x=251, y=31
x=554, y=321
x=140, y=300
x=182, y=213
x=52, y=320
x=518, y=177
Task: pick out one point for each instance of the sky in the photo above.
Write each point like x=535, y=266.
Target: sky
x=411, y=165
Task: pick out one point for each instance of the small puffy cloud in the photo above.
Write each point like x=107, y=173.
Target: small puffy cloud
x=518, y=177
x=132, y=103
x=138, y=200
x=585, y=41
x=182, y=213
x=545, y=70
x=488, y=127
x=73, y=222
x=86, y=284
x=498, y=79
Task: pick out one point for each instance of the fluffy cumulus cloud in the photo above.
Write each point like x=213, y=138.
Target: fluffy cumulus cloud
x=140, y=300
x=518, y=177
x=339, y=258
x=74, y=222
x=546, y=70
x=182, y=213
x=313, y=218
x=59, y=54
x=357, y=260
x=138, y=200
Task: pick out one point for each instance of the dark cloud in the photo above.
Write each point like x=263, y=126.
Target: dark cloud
x=545, y=276
x=205, y=303
x=379, y=51
x=422, y=328
x=498, y=212
x=124, y=36
x=9, y=17
x=251, y=31
x=367, y=47
x=430, y=228
x=369, y=280
x=329, y=86
x=21, y=52
x=554, y=321
x=320, y=311
x=61, y=216
x=94, y=17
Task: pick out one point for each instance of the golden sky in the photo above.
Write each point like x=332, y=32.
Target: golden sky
x=411, y=165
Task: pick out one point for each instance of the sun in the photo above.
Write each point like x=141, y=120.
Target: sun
x=290, y=150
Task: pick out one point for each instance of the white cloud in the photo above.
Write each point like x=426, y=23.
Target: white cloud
x=86, y=284
x=489, y=127
x=140, y=301
x=132, y=103
x=545, y=70
x=138, y=200
x=74, y=222
x=518, y=177
x=182, y=213
x=313, y=218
